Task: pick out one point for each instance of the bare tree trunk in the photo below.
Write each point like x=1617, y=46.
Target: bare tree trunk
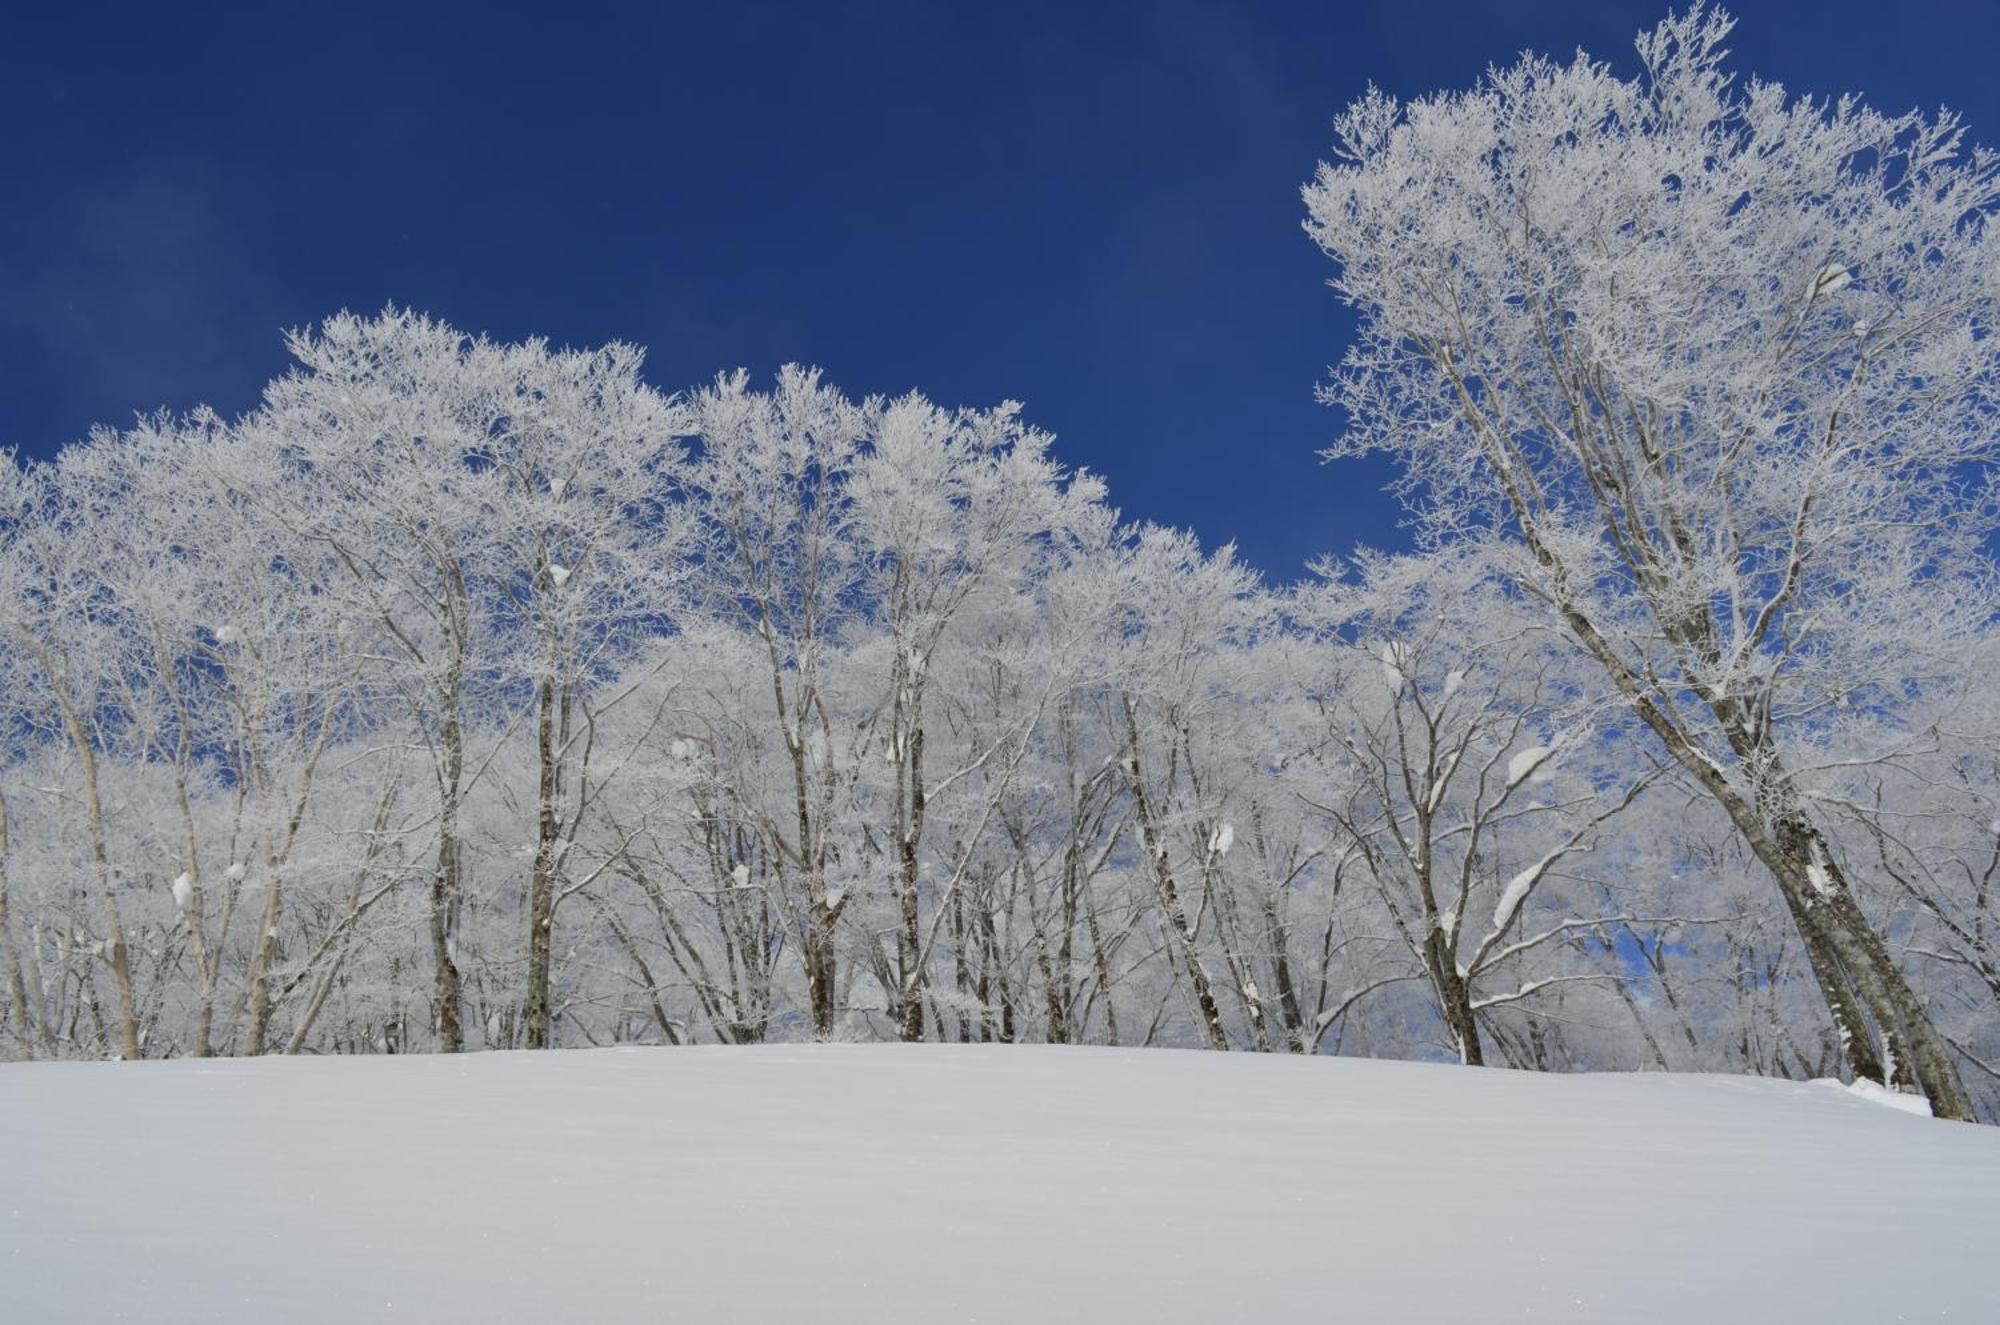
x=541, y=884
x=194, y=914
x=992, y=975
x=909, y=937
x=1055, y=993
x=259, y=1025
x=962, y=980
x=1918, y=1054
x=17, y=985
x=1454, y=996
x=821, y=966
x=822, y=960
x=1101, y=958
x=446, y=883
x=1169, y=894
x=1059, y=990
x=100, y=858
x=1289, y=1011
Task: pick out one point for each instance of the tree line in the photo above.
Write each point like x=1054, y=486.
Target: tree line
x=470, y=695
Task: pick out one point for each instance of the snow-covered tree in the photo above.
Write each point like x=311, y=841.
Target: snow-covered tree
x=1716, y=361
x=956, y=511
x=477, y=694
x=780, y=557
x=1471, y=772
x=66, y=629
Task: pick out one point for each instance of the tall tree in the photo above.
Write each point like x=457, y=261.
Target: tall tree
x=778, y=556
x=584, y=458
x=386, y=421
x=951, y=507
x=1467, y=769
x=1716, y=361
x=68, y=626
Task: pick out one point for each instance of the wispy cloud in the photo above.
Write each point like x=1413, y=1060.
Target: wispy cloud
x=128, y=294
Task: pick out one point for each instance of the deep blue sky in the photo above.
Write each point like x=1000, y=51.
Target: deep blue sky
x=1089, y=207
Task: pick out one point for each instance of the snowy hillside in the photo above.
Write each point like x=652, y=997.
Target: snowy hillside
x=940, y=1183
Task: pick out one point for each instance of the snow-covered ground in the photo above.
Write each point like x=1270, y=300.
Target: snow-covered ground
x=939, y=1183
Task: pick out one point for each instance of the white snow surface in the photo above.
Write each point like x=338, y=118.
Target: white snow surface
x=1862, y=1088
x=1523, y=765
x=1517, y=891
x=1832, y=278
x=885, y=1183
x=1395, y=664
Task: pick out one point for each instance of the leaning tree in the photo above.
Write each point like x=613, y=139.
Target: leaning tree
x=1718, y=364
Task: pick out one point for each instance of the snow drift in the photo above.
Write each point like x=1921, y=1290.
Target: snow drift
x=886, y=1183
